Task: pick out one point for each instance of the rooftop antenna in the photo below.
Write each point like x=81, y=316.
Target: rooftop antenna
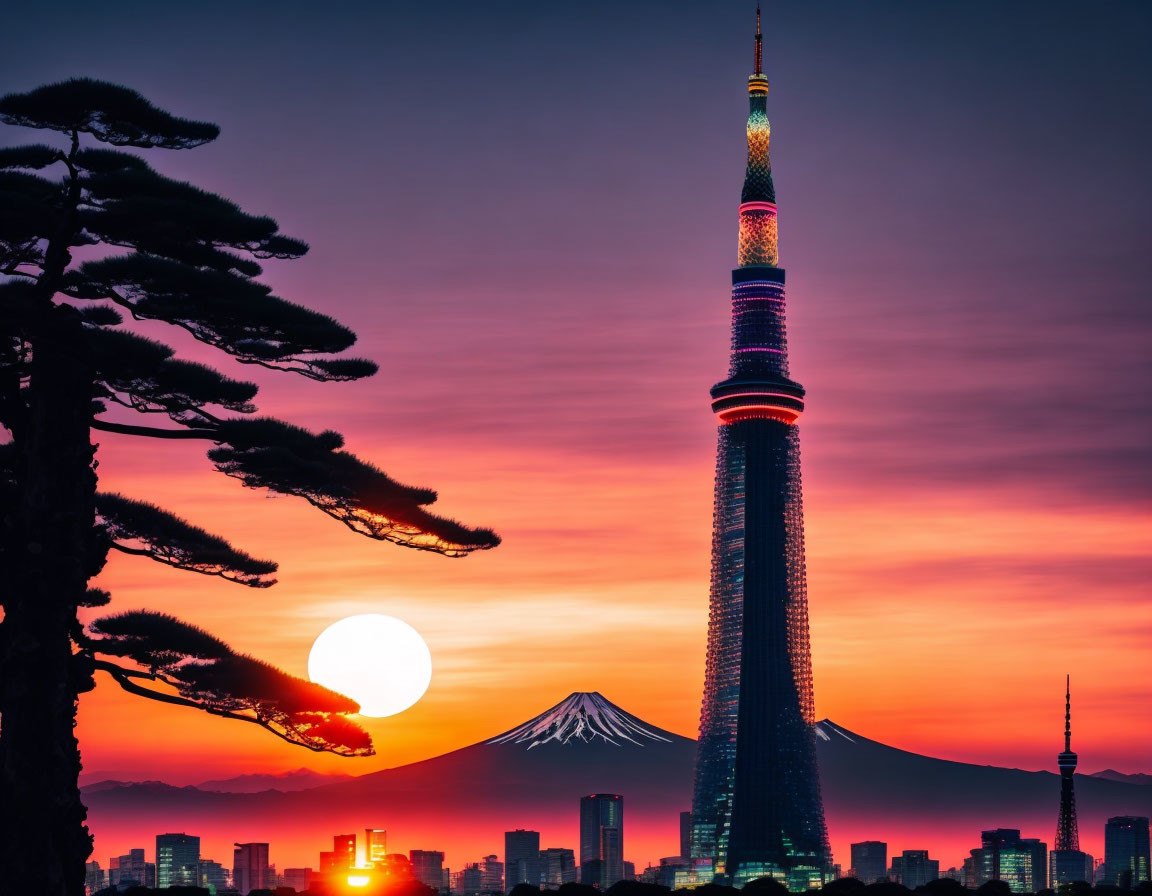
x=1068, y=714
x=759, y=44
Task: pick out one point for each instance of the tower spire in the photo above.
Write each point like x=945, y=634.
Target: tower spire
x=759, y=70
x=757, y=242
x=1067, y=829
x=1068, y=714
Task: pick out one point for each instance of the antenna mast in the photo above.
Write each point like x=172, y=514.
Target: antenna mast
x=759, y=45
x=1068, y=714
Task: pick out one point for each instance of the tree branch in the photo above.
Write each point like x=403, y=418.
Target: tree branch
x=140, y=405
x=151, y=432
x=284, y=365
x=123, y=677
x=186, y=567
x=135, y=552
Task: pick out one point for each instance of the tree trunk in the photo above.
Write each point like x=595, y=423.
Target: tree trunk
x=43, y=840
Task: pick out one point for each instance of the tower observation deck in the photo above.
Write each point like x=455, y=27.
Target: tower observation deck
x=756, y=808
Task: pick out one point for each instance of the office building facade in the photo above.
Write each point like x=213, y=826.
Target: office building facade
x=177, y=860
x=913, y=868
x=601, y=839
x=428, y=867
x=250, y=868
x=869, y=861
x=557, y=867
x=1126, y=854
x=521, y=858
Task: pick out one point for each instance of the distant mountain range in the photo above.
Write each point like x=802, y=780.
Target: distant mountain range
x=1111, y=775
x=533, y=775
x=299, y=779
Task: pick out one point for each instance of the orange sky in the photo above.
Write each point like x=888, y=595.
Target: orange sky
x=923, y=635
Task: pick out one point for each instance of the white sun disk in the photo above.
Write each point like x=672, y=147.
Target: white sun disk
x=379, y=661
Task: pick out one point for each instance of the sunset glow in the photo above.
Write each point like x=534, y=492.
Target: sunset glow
x=541, y=272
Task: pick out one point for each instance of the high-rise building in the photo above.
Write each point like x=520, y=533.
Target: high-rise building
x=1126, y=858
x=250, y=870
x=94, y=878
x=214, y=876
x=521, y=858
x=1066, y=863
x=1022, y=863
x=396, y=867
x=685, y=834
x=678, y=873
x=557, y=867
x=177, y=860
x=592, y=873
x=913, y=868
x=299, y=879
x=344, y=845
x=131, y=869
x=428, y=867
x=467, y=881
x=375, y=845
x=491, y=875
x=972, y=873
x=601, y=839
x=870, y=861
x=756, y=807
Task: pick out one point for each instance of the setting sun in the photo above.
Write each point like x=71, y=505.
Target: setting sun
x=379, y=661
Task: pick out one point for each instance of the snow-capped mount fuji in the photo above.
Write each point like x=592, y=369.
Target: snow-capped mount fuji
x=584, y=716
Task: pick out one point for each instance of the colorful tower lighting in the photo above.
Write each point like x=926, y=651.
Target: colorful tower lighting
x=757, y=809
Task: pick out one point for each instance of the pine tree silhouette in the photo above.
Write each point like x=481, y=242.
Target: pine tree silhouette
x=184, y=256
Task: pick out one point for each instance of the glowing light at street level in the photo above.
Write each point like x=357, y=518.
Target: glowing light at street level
x=359, y=880
x=379, y=661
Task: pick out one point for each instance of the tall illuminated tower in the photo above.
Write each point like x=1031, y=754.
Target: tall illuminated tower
x=1066, y=863
x=756, y=806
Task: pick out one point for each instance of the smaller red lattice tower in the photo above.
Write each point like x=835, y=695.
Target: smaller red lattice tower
x=1067, y=830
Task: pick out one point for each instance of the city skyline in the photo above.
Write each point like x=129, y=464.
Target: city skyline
x=1003, y=854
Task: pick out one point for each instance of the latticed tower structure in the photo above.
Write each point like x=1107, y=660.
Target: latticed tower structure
x=756, y=805
x=1067, y=864
x=1067, y=830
